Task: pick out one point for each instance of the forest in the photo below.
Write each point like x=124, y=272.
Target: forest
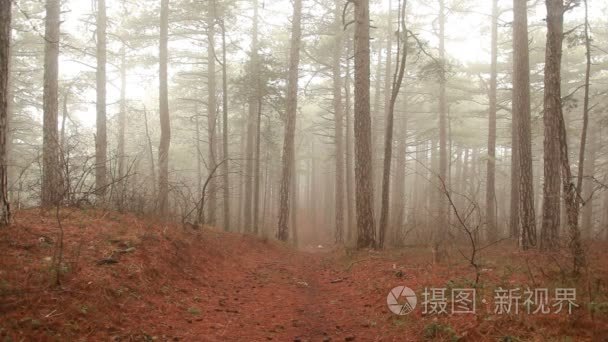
x=303, y=170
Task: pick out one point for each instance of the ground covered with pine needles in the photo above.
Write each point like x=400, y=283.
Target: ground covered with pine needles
x=124, y=278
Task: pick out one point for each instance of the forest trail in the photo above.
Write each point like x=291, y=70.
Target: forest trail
x=124, y=278
x=131, y=279
x=302, y=296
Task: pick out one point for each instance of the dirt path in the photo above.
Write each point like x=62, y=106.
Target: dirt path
x=302, y=297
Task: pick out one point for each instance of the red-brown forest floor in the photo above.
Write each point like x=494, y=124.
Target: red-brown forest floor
x=124, y=278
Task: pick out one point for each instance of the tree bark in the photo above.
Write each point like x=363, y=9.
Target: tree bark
x=388, y=138
x=290, y=123
x=5, y=42
x=349, y=152
x=52, y=184
x=442, y=222
x=491, y=163
x=364, y=190
x=256, y=173
x=151, y=154
x=251, y=123
x=211, y=111
x=101, y=140
x=551, y=119
x=339, y=124
x=225, y=151
x=122, y=125
x=521, y=113
x=165, y=124
x=581, y=161
x=587, y=189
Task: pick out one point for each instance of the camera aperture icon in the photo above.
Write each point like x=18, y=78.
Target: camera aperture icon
x=401, y=300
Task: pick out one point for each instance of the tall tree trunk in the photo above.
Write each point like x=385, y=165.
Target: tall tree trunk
x=294, y=205
x=588, y=183
x=151, y=154
x=521, y=114
x=251, y=123
x=348, y=141
x=225, y=151
x=364, y=190
x=491, y=164
x=122, y=124
x=5, y=42
x=339, y=123
x=256, y=173
x=165, y=124
x=211, y=111
x=398, y=204
x=101, y=140
x=552, y=113
x=441, y=231
x=581, y=156
x=290, y=123
x=556, y=142
x=52, y=187
x=388, y=138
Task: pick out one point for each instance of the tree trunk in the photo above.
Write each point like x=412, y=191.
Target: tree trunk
x=165, y=124
x=211, y=111
x=398, y=206
x=364, y=191
x=5, y=42
x=588, y=183
x=52, y=185
x=294, y=204
x=101, y=140
x=290, y=123
x=581, y=160
x=556, y=139
x=151, y=154
x=552, y=113
x=349, y=152
x=339, y=124
x=441, y=231
x=251, y=123
x=388, y=138
x=256, y=172
x=225, y=151
x=521, y=112
x=491, y=164
x=122, y=124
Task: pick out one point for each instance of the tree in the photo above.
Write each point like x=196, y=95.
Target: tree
x=442, y=221
x=364, y=189
x=51, y=166
x=252, y=119
x=556, y=144
x=226, y=152
x=581, y=157
x=122, y=124
x=491, y=164
x=165, y=124
x=522, y=129
x=339, y=125
x=211, y=108
x=5, y=42
x=551, y=119
x=101, y=141
x=287, y=166
x=388, y=138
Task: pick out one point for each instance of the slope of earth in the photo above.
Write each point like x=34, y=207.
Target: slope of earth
x=123, y=278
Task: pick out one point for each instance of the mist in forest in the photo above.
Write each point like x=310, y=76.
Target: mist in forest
x=450, y=127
